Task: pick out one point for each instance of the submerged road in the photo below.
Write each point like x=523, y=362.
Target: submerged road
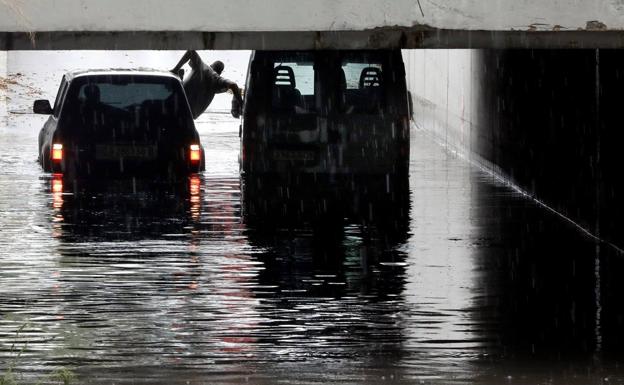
x=464, y=282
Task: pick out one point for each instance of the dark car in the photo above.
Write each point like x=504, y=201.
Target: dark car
x=326, y=112
x=110, y=123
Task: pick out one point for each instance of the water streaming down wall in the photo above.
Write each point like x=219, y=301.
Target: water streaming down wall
x=547, y=120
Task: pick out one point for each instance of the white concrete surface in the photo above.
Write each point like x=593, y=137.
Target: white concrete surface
x=3, y=75
x=298, y=15
x=445, y=87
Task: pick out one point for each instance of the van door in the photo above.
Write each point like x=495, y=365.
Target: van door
x=293, y=125
x=286, y=128
x=367, y=128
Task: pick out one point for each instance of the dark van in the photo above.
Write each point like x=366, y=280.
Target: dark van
x=325, y=112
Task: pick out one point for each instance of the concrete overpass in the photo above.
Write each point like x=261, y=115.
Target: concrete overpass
x=548, y=121
x=286, y=24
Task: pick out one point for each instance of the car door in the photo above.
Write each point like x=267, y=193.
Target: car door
x=47, y=132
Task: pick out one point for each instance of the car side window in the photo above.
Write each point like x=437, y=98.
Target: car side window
x=59, y=97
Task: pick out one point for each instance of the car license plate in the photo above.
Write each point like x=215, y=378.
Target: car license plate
x=117, y=151
x=304, y=156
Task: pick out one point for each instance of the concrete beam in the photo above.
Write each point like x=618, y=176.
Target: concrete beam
x=391, y=37
x=245, y=24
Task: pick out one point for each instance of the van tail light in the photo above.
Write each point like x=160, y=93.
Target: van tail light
x=57, y=152
x=195, y=156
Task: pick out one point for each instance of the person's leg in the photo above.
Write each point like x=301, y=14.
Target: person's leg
x=192, y=57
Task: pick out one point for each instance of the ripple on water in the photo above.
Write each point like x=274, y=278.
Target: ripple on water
x=182, y=285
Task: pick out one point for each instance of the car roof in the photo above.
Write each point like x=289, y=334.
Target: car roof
x=119, y=72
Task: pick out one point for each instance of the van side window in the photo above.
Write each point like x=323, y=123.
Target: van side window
x=363, y=87
x=293, y=87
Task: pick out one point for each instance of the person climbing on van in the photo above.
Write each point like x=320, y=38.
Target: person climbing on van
x=204, y=82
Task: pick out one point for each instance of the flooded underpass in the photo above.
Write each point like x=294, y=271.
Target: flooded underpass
x=447, y=276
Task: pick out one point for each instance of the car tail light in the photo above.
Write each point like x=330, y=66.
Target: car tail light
x=57, y=152
x=195, y=153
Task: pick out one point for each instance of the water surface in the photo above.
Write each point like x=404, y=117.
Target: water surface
x=452, y=278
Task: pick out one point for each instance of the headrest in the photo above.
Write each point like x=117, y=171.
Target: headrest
x=92, y=93
x=370, y=77
x=284, y=76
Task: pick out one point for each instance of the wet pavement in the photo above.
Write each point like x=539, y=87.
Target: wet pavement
x=452, y=278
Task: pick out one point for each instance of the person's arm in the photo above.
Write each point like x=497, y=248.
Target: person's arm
x=237, y=100
x=223, y=85
x=237, y=92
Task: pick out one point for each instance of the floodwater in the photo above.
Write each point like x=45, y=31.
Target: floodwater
x=454, y=278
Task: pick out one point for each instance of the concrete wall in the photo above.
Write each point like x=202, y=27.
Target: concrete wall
x=547, y=120
x=443, y=83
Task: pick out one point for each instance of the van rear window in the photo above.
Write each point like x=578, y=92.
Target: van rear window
x=293, y=89
x=326, y=82
x=364, y=87
x=359, y=75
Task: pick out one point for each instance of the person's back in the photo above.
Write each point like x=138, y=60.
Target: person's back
x=204, y=82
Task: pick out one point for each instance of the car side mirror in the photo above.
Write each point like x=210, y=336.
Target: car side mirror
x=42, y=107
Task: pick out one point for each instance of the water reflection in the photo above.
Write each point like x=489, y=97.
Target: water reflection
x=540, y=296
x=441, y=277
x=334, y=277
x=327, y=236
x=123, y=209
x=143, y=276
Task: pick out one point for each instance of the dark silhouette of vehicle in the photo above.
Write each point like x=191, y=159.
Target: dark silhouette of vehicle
x=110, y=123
x=325, y=112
